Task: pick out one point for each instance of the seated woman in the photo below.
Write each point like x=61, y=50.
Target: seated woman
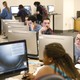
x=56, y=61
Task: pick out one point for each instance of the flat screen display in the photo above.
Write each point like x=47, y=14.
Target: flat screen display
x=14, y=9
x=13, y=56
x=28, y=7
x=50, y=8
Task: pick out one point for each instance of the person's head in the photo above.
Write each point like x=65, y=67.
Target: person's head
x=21, y=7
x=31, y=20
x=54, y=53
x=5, y=4
x=46, y=22
x=77, y=40
x=36, y=3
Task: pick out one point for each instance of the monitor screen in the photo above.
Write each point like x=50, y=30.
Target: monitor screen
x=13, y=57
x=28, y=8
x=14, y=9
x=50, y=8
x=66, y=41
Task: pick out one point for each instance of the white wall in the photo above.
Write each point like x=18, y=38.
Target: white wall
x=64, y=21
x=58, y=23
x=68, y=14
x=76, y=6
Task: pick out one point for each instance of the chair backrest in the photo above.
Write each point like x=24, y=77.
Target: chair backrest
x=51, y=77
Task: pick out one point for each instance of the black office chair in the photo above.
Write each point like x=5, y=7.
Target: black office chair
x=51, y=77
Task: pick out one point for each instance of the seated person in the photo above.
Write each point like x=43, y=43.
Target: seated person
x=31, y=22
x=46, y=27
x=77, y=47
x=56, y=61
x=22, y=12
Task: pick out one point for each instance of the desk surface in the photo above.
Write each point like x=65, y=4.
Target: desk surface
x=33, y=64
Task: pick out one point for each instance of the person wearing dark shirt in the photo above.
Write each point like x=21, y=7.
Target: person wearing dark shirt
x=46, y=27
x=22, y=13
x=38, y=11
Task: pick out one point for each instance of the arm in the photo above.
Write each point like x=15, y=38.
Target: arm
x=3, y=14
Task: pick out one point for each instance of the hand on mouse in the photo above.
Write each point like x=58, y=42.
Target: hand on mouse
x=29, y=76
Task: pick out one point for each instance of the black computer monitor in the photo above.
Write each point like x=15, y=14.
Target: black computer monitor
x=14, y=9
x=50, y=8
x=13, y=58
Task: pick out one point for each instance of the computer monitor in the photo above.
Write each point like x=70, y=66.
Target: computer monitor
x=50, y=8
x=13, y=58
x=66, y=41
x=30, y=38
x=14, y=9
x=28, y=8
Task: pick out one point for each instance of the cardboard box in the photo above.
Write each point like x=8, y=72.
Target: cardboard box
x=77, y=24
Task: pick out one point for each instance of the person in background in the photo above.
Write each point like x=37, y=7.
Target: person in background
x=41, y=12
x=46, y=27
x=5, y=14
x=77, y=47
x=56, y=61
x=22, y=13
x=31, y=22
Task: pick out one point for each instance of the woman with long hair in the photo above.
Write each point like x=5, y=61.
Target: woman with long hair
x=6, y=13
x=56, y=61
